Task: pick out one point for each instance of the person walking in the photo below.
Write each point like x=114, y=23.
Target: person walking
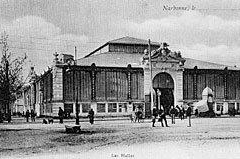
x=233, y=111
x=33, y=115
x=27, y=115
x=184, y=112
x=189, y=113
x=172, y=112
x=162, y=115
x=91, y=116
x=139, y=116
x=181, y=113
x=132, y=116
x=196, y=112
x=61, y=115
x=155, y=114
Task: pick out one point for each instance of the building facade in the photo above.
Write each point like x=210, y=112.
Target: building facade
x=116, y=79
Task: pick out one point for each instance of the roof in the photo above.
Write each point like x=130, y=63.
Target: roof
x=112, y=59
x=121, y=59
x=124, y=40
x=131, y=40
x=191, y=63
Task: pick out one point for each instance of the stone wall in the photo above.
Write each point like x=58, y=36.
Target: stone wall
x=57, y=84
x=170, y=68
x=57, y=100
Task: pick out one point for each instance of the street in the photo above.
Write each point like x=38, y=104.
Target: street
x=208, y=137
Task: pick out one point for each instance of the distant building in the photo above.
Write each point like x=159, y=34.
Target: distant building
x=18, y=105
x=117, y=81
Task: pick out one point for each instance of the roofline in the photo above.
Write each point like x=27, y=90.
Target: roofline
x=96, y=50
x=43, y=75
x=223, y=65
x=221, y=69
x=152, y=42
x=110, y=42
x=134, y=44
x=111, y=67
x=93, y=52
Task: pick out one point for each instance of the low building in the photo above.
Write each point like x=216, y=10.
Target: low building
x=116, y=79
x=18, y=106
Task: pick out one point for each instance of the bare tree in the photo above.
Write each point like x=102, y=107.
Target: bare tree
x=11, y=78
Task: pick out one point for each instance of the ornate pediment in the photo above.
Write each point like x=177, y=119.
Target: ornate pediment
x=163, y=54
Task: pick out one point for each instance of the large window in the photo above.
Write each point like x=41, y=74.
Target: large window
x=138, y=106
x=68, y=108
x=231, y=106
x=101, y=107
x=122, y=107
x=112, y=107
x=48, y=108
x=219, y=106
x=219, y=87
x=86, y=107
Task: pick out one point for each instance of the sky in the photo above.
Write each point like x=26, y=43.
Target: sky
x=208, y=30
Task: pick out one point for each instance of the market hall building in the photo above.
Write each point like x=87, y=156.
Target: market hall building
x=115, y=80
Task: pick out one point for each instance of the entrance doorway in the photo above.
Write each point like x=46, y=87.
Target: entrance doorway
x=163, y=85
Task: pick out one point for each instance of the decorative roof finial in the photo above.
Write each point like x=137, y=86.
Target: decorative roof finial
x=55, y=57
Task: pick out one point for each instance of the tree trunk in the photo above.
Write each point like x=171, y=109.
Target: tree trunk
x=8, y=93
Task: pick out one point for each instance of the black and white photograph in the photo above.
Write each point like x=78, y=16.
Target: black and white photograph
x=119, y=79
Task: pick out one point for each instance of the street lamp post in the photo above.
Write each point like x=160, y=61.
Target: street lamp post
x=75, y=91
x=159, y=95
x=76, y=98
x=150, y=67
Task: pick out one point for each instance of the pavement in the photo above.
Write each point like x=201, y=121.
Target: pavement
x=214, y=138
x=21, y=120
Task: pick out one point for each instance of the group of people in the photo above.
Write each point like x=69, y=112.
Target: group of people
x=162, y=116
x=61, y=115
x=161, y=113
x=173, y=112
x=31, y=114
x=137, y=116
x=177, y=111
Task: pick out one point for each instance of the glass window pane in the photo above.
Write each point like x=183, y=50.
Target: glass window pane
x=120, y=108
x=112, y=107
x=68, y=108
x=86, y=107
x=101, y=107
